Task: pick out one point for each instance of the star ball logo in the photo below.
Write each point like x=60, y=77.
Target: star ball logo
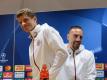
x=3, y=57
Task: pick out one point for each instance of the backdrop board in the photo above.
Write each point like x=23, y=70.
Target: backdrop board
x=14, y=43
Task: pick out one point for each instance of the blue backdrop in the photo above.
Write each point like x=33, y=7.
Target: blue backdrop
x=14, y=43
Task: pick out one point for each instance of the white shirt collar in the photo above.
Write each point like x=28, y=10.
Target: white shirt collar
x=35, y=31
x=77, y=51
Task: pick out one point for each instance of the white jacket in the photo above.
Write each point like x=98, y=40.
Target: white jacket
x=85, y=66
x=48, y=49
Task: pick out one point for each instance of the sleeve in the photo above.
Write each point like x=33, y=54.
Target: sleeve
x=55, y=42
x=91, y=68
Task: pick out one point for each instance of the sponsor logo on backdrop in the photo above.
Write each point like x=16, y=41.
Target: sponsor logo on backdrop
x=99, y=79
x=19, y=75
x=0, y=74
x=7, y=79
x=19, y=79
x=100, y=73
x=28, y=68
x=105, y=79
x=28, y=79
x=105, y=74
x=100, y=66
x=7, y=68
x=29, y=74
x=105, y=66
x=3, y=58
x=1, y=68
x=19, y=67
x=7, y=74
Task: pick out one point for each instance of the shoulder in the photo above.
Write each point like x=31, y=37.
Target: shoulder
x=88, y=54
x=66, y=44
x=48, y=29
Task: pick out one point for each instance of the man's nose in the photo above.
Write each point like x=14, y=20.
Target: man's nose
x=78, y=38
x=23, y=23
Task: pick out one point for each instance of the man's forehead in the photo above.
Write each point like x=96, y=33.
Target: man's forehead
x=76, y=31
x=23, y=17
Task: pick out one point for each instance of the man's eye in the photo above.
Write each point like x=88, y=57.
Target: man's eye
x=75, y=36
x=80, y=37
x=25, y=20
x=20, y=22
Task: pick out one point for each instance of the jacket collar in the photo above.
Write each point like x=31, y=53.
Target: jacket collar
x=35, y=31
x=77, y=51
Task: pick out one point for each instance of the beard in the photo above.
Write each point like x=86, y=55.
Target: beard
x=76, y=45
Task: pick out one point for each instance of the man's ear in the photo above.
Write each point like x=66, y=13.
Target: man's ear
x=35, y=18
x=67, y=36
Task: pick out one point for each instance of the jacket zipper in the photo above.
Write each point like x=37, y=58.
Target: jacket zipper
x=74, y=65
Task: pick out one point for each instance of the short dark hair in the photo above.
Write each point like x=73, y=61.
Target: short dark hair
x=25, y=11
x=75, y=27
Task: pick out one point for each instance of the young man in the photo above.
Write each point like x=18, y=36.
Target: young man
x=47, y=46
x=80, y=64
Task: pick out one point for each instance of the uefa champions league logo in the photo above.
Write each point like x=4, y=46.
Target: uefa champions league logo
x=3, y=57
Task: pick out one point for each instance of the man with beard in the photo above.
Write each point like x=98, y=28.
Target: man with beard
x=80, y=64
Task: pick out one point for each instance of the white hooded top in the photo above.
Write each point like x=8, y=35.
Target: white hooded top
x=84, y=64
x=47, y=48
